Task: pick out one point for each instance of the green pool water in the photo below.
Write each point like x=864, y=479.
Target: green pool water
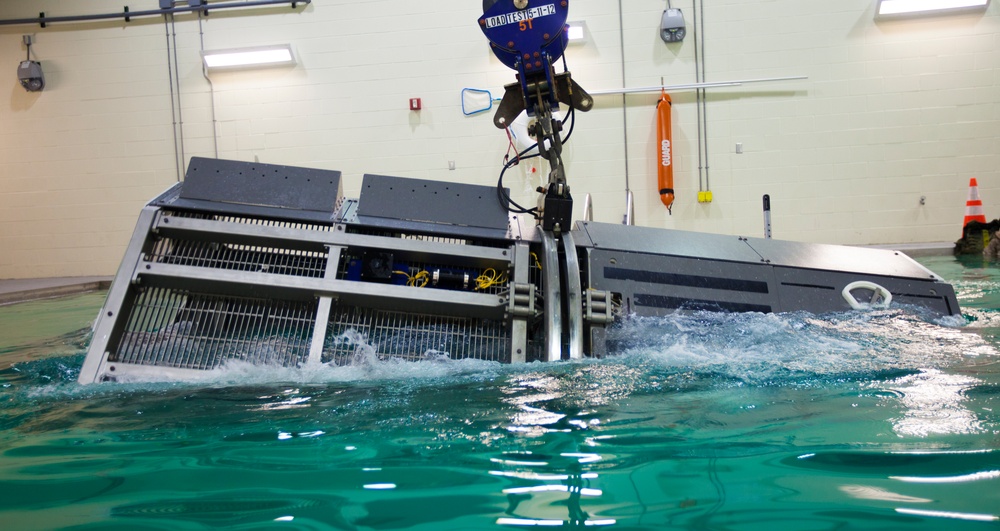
x=860, y=420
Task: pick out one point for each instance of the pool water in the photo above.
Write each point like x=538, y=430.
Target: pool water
x=859, y=420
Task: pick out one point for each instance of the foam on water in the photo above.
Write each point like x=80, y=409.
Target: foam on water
x=711, y=348
x=776, y=348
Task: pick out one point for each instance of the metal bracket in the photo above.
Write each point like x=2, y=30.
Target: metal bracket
x=522, y=300
x=567, y=92
x=597, y=307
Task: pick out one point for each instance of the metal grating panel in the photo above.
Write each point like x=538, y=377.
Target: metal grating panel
x=249, y=220
x=176, y=328
x=292, y=262
x=220, y=255
x=410, y=235
x=411, y=337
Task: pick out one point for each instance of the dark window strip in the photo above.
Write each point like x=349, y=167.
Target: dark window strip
x=660, y=301
x=814, y=286
x=673, y=279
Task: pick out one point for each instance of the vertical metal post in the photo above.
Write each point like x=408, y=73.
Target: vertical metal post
x=767, y=216
x=574, y=298
x=519, y=325
x=629, y=209
x=323, y=308
x=553, y=297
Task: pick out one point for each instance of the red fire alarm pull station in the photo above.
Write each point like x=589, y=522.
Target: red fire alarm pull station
x=414, y=104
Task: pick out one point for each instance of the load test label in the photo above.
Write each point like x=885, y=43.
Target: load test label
x=521, y=16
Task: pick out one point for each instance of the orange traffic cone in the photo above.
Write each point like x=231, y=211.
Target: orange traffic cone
x=974, y=206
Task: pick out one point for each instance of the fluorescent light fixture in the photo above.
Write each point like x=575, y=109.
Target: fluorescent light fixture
x=257, y=57
x=924, y=7
x=577, y=32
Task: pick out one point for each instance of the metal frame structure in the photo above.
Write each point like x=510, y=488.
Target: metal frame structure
x=233, y=265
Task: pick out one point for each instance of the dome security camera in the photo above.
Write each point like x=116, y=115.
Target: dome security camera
x=30, y=75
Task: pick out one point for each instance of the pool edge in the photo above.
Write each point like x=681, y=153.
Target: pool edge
x=25, y=290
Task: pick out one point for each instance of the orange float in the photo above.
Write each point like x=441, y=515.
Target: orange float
x=664, y=143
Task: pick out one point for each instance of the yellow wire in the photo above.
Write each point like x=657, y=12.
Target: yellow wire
x=537, y=263
x=489, y=278
x=411, y=280
x=423, y=275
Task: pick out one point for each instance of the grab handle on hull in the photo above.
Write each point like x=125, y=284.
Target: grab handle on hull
x=880, y=298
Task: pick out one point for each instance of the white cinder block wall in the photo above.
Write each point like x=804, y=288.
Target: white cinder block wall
x=891, y=112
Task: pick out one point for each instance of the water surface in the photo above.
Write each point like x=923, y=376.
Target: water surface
x=857, y=420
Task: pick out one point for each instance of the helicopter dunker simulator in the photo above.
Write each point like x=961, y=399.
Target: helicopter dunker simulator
x=271, y=264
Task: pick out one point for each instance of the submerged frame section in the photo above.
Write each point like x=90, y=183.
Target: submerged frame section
x=271, y=265
x=267, y=264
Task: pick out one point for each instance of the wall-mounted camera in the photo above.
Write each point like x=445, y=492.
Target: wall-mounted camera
x=30, y=75
x=672, y=28
x=29, y=72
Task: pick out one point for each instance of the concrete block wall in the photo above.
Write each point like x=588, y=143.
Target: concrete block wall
x=890, y=112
